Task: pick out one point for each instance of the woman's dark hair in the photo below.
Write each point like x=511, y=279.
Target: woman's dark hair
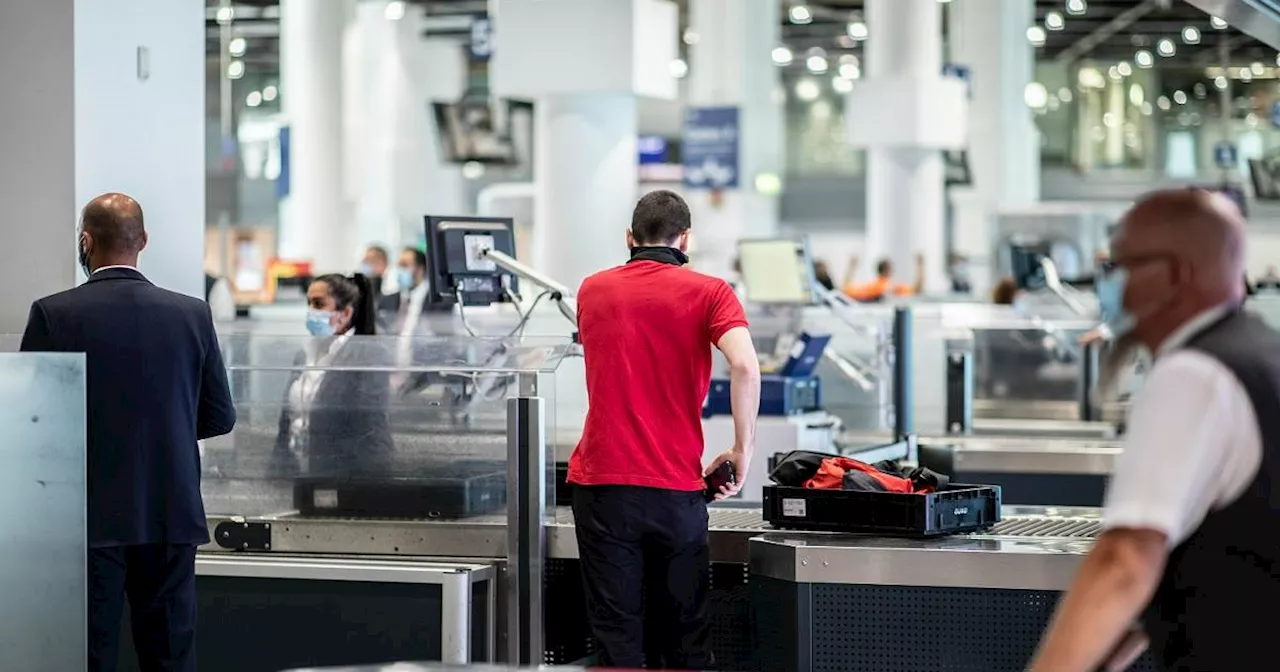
x=355, y=291
x=1004, y=292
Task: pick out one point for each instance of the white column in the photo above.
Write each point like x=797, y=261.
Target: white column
x=584, y=62
x=990, y=37
x=905, y=113
x=315, y=219
x=59, y=60
x=586, y=183
x=398, y=172
x=730, y=65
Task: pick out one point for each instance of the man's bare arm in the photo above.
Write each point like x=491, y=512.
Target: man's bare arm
x=744, y=390
x=1114, y=583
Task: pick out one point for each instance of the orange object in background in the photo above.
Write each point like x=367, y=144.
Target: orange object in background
x=278, y=269
x=878, y=289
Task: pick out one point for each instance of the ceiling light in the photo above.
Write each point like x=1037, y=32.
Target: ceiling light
x=800, y=14
x=782, y=56
x=842, y=84
x=807, y=90
x=678, y=68
x=1036, y=36
x=1035, y=95
x=1199, y=91
x=1144, y=59
x=1124, y=68
x=1065, y=94
x=254, y=99
x=1180, y=97
x=816, y=64
x=1191, y=35
x=1164, y=103
x=1278, y=59
x=236, y=46
x=1257, y=68
x=1166, y=48
x=1217, y=23
x=1114, y=73
x=1076, y=7
x=1246, y=75
x=1110, y=120
x=394, y=11
x=943, y=2
x=849, y=59
x=225, y=15
x=1054, y=21
x=235, y=70
x=850, y=71
x=1137, y=96
x=1146, y=109
x=690, y=37
x=473, y=170
x=1091, y=78
x=270, y=92
x=1220, y=82
x=857, y=30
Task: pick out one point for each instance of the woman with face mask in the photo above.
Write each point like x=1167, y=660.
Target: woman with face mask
x=335, y=416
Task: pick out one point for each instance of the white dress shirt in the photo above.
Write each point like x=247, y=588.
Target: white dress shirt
x=302, y=393
x=1192, y=445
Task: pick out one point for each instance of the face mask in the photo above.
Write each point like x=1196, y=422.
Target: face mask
x=83, y=257
x=1110, y=289
x=404, y=278
x=366, y=270
x=319, y=323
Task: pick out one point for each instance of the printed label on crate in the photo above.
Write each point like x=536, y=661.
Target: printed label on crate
x=325, y=499
x=794, y=508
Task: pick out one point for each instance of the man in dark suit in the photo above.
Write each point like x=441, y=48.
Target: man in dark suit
x=156, y=385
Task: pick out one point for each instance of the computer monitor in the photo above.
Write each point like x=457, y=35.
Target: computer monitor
x=777, y=271
x=457, y=268
x=1024, y=263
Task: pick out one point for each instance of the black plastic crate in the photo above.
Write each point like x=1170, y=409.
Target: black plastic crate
x=956, y=508
x=465, y=489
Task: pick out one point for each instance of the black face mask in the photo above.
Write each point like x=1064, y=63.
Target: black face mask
x=83, y=257
x=664, y=255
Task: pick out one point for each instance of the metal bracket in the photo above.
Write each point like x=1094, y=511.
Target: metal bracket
x=243, y=536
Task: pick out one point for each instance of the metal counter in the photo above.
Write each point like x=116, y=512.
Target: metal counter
x=1030, y=471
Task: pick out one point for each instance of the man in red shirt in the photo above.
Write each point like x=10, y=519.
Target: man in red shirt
x=647, y=328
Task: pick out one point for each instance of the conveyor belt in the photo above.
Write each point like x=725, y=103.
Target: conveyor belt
x=1042, y=527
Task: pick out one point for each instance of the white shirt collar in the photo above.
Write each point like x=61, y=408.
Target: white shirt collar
x=1192, y=327
x=108, y=268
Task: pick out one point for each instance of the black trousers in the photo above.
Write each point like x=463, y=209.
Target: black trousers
x=646, y=568
x=160, y=583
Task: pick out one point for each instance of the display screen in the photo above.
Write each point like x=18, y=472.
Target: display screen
x=776, y=271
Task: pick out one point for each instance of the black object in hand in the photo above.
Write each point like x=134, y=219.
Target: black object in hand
x=723, y=475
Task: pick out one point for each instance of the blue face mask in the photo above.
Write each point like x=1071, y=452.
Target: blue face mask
x=319, y=323
x=404, y=278
x=1110, y=289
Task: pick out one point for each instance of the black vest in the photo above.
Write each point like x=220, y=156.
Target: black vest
x=1215, y=606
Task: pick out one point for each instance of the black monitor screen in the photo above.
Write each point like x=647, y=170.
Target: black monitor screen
x=1024, y=262
x=457, y=265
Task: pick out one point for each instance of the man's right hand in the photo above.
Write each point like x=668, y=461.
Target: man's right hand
x=740, y=458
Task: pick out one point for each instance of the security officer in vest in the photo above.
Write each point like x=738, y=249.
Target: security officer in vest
x=1191, y=542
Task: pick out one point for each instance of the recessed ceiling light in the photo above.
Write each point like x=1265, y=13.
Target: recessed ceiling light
x=807, y=90
x=1180, y=97
x=816, y=64
x=1217, y=23
x=782, y=56
x=1124, y=68
x=857, y=30
x=1077, y=7
x=1144, y=59
x=842, y=84
x=1054, y=21
x=1166, y=48
x=1036, y=36
x=678, y=68
x=1191, y=35
x=800, y=14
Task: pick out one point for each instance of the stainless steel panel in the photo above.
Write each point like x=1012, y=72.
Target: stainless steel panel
x=42, y=512
x=971, y=562
x=1029, y=456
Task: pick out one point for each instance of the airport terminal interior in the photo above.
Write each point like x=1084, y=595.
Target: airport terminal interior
x=911, y=198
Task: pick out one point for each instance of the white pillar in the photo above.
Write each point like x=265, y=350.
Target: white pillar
x=905, y=113
x=315, y=218
x=398, y=173
x=730, y=65
x=990, y=37
x=586, y=182
x=59, y=60
x=584, y=62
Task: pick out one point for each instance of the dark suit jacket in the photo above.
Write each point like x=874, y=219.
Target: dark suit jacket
x=156, y=384
x=347, y=433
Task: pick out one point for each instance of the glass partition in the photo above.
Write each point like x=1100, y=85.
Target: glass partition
x=42, y=511
x=374, y=426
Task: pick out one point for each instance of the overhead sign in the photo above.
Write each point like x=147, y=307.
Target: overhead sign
x=653, y=149
x=710, y=147
x=1225, y=155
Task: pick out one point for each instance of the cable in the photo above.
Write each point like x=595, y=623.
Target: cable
x=463, y=315
x=524, y=317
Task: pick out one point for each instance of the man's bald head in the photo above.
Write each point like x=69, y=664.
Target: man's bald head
x=1200, y=233
x=114, y=223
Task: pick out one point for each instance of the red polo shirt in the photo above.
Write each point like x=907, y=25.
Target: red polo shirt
x=647, y=331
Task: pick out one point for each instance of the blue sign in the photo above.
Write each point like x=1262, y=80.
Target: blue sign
x=1224, y=154
x=710, y=147
x=481, y=45
x=1275, y=114
x=653, y=149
